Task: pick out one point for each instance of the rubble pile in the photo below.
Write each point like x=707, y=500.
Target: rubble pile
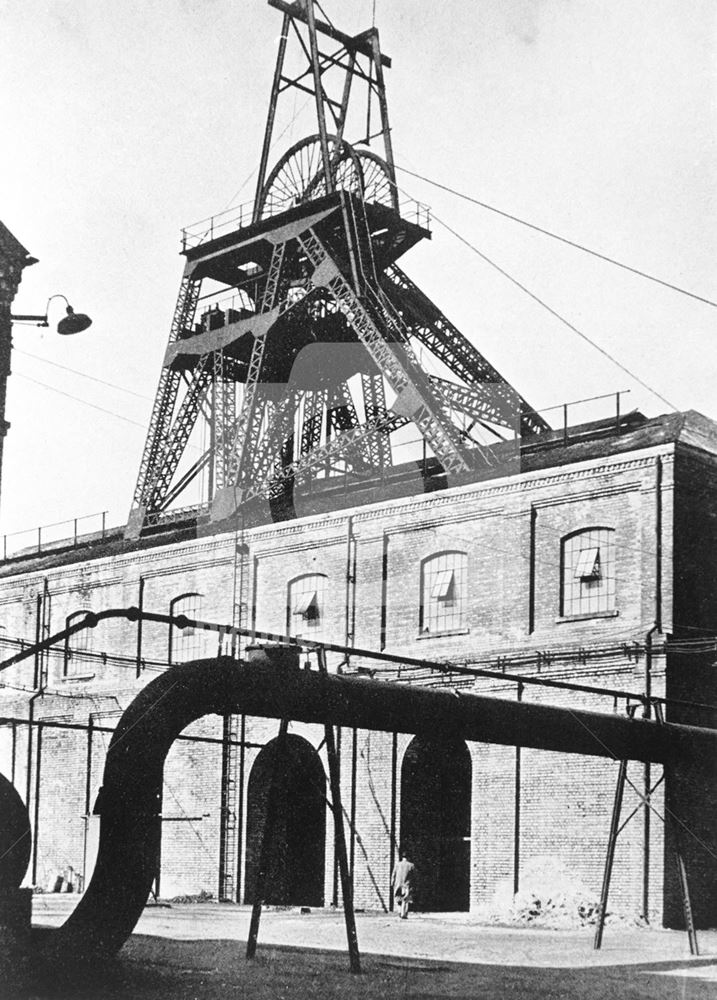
x=551, y=897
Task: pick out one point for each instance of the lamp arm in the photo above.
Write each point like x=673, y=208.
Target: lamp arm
x=38, y=320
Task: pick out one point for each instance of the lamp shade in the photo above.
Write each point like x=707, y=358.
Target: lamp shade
x=73, y=322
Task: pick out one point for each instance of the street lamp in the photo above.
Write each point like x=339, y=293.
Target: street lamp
x=71, y=323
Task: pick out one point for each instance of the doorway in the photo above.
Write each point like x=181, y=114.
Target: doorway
x=295, y=873
x=435, y=822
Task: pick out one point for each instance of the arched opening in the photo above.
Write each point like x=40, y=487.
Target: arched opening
x=436, y=821
x=295, y=874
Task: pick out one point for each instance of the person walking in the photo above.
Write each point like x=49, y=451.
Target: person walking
x=402, y=879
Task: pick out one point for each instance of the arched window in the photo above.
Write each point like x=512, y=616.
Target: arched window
x=75, y=662
x=444, y=578
x=306, y=605
x=588, y=572
x=187, y=643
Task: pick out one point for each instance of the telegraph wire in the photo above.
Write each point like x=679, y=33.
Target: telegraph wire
x=561, y=239
x=556, y=314
x=84, y=402
x=540, y=302
x=94, y=406
x=76, y=371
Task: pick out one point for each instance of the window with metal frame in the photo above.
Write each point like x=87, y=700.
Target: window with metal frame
x=187, y=643
x=306, y=604
x=444, y=578
x=77, y=645
x=588, y=572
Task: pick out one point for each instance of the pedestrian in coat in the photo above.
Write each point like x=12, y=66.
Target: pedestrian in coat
x=402, y=880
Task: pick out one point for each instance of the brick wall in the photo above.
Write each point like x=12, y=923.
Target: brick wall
x=511, y=532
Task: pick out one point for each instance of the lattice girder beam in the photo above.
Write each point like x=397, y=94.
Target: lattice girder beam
x=342, y=416
x=428, y=324
x=279, y=429
x=338, y=448
x=248, y=430
x=222, y=443
x=313, y=418
x=374, y=401
x=163, y=408
x=415, y=397
x=475, y=401
x=180, y=431
x=223, y=420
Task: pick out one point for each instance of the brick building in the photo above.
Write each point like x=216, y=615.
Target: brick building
x=13, y=259
x=591, y=560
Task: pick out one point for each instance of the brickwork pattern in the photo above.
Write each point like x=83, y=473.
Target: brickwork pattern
x=511, y=532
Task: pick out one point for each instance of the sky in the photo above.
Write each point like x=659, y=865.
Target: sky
x=123, y=122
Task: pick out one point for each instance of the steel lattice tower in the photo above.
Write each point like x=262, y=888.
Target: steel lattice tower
x=297, y=339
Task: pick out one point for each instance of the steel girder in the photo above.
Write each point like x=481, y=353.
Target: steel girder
x=416, y=398
x=428, y=325
x=374, y=400
x=248, y=430
x=386, y=316
x=223, y=420
x=165, y=399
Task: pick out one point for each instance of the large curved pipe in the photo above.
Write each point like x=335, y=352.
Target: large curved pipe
x=130, y=824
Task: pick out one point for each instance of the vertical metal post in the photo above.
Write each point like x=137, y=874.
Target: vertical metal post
x=386, y=128
x=345, y=98
x=346, y=887
x=213, y=410
x=565, y=423
x=270, y=116
x=647, y=784
x=352, y=821
x=37, y=661
x=158, y=872
x=140, y=605
x=617, y=412
x=384, y=591
x=531, y=569
x=240, y=807
x=88, y=795
x=319, y=95
x=266, y=839
x=516, y=817
x=13, y=762
x=45, y=634
x=36, y=824
x=685, y=891
x=74, y=532
x=394, y=796
x=28, y=776
x=610, y=857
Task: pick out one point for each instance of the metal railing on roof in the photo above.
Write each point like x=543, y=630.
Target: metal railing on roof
x=239, y=216
x=60, y=534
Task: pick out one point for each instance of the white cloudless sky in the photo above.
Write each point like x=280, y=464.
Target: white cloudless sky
x=122, y=122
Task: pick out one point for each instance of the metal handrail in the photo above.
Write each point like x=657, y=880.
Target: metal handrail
x=72, y=540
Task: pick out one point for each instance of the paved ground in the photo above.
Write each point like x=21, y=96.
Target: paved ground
x=197, y=951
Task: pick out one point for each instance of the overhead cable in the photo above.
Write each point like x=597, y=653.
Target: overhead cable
x=75, y=371
x=557, y=236
x=557, y=315
x=77, y=399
